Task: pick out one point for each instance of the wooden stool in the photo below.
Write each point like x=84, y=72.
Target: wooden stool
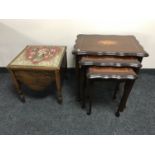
x=37, y=66
x=126, y=75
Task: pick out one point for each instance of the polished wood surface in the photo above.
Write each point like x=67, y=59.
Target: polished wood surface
x=117, y=45
x=111, y=73
x=110, y=61
x=36, y=80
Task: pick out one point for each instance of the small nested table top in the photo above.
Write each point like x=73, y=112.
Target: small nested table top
x=39, y=57
x=117, y=45
x=110, y=61
x=111, y=73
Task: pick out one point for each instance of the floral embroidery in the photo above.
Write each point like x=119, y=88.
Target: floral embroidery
x=40, y=56
x=37, y=55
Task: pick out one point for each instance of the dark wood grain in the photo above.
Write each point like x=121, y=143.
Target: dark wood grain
x=116, y=45
x=110, y=61
x=111, y=73
x=127, y=89
x=36, y=80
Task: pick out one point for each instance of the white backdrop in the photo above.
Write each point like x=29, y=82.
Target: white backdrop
x=59, y=24
x=135, y=17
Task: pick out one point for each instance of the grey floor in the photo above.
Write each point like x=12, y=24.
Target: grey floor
x=41, y=114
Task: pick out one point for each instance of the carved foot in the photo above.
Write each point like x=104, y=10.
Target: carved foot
x=88, y=113
x=117, y=114
x=59, y=98
x=22, y=98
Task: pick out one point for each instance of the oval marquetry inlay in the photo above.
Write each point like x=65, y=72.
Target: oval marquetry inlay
x=107, y=42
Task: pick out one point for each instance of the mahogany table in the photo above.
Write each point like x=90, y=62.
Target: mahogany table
x=121, y=74
x=37, y=66
x=122, y=46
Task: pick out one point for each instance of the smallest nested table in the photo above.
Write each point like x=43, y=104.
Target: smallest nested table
x=37, y=67
x=123, y=74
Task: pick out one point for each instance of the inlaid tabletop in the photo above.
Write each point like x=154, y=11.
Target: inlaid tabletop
x=39, y=56
x=111, y=73
x=117, y=45
x=110, y=61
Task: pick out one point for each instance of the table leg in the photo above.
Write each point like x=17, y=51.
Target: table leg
x=58, y=85
x=77, y=68
x=127, y=89
x=65, y=63
x=64, y=66
x=116, y=89
x=90, y=84
x=17, y=86
x=83, y=79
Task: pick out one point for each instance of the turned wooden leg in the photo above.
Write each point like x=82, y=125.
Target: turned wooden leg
x=65, y=65
x=17, y=86
x=77, y=68
x=82, y=94
x=127, y=89
x=116, y=89
x=83, y=85
x=90, y=94
x=58, y=85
